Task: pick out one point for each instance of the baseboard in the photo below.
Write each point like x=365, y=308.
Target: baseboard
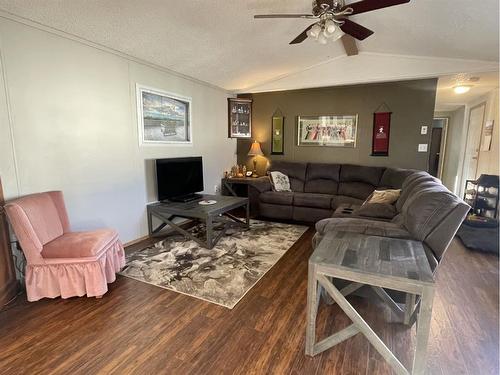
x=8, y=292
x=136, y=241
x=184, y=224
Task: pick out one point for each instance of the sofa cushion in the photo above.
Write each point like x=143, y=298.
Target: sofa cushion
x=363, y=226
x=312, y=200
x=358, y=173
x=296, y=173
x=276, y=211
x=338, y=200
x=394, y=177
x=359, y=190
x=409, y=184
x=376, y=210
x=310, y=214
x=322, y=178
x=426, y=209
x=275, y=197
x=79, y=244
x=415, y=188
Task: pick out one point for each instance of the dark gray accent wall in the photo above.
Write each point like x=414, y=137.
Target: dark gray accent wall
x=412, y=104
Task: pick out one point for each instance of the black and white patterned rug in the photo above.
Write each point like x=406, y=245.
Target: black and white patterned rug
x=222, y=275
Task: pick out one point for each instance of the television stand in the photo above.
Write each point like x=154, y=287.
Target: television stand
x=186, y=198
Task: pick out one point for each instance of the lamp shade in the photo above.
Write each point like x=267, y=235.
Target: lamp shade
x=255, y=149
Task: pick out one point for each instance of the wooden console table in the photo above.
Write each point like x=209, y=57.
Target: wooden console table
x=379, y=262
x=214, y=216
x=230, y=185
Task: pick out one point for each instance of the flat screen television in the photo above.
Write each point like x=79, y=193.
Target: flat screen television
x=178, y=179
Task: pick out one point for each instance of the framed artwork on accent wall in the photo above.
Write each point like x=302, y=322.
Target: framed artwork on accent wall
x=163, y=117
x=332, y=131
x=277, y=135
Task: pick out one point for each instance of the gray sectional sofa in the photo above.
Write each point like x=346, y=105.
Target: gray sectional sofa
x=425, y=211
x=318, y=189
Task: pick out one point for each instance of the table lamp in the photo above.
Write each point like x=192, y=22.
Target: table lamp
x=255, y=151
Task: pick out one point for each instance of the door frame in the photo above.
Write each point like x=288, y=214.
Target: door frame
x=467, y=143
x=442, y=146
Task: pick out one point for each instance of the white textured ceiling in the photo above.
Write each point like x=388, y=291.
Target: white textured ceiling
x=448, y=100
x=219, y=42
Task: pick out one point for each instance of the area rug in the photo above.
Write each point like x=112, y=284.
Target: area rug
x=222, y=275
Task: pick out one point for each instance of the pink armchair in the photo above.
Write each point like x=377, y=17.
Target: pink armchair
x=61, y=262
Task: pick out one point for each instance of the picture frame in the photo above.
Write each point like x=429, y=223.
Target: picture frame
x=239, y=118
x=163, y=117
x=327, y=130
x=278, y=135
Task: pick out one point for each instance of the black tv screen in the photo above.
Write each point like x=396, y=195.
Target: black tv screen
x=179, y=177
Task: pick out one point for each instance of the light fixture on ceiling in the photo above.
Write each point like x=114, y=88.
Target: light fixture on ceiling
x=325, y=31
x=461, y=89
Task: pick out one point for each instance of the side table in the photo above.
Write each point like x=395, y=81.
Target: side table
x=379, y=262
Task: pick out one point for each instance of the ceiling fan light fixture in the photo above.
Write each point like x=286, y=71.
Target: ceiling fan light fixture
x=314, y=31
x=330, y=26
x=337, y=35
x=322, y=39
x=461, y=89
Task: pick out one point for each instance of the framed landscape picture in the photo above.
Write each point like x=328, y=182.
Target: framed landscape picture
x=163, y=117
x=333, y=131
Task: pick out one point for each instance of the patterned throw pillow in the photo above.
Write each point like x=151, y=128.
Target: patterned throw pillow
x=388, y=196
x=279, y=181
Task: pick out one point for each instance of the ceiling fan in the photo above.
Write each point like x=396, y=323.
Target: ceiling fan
x=333, y=22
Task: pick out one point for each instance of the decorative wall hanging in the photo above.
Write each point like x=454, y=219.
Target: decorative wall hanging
x=240, y=118
x=278, y=133
x=487, y=135
x=381, y=131
x=333, y=131
x=163, y=117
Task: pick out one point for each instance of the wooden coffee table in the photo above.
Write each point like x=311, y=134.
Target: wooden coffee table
x=215, y=217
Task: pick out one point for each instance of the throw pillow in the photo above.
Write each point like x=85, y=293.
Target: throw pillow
x=279, y=181
x=376, y=210
x=388, y=196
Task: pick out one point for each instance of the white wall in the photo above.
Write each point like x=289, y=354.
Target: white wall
x=68, y=120
x=453, y=149
x=488, y=161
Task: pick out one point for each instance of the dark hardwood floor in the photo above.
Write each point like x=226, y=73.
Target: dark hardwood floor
x=139, y=328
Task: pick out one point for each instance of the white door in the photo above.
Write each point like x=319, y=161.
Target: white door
x=476, y=119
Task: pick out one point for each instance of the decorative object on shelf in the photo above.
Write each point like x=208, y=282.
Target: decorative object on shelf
x=240, y=118
x=487, y=135
x=333, y=131
x=163, y=117
x=277, y=133
x=255, y=151
x=381, y=130
x=482, y=195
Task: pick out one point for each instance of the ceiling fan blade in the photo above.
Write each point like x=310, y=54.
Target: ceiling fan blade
x=355, y=29
x=283, y=16
x=351, y=49
x=302, y=36
x=369, y=5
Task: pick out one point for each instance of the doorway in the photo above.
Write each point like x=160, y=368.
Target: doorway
x=473, y=140
x=437, y=149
